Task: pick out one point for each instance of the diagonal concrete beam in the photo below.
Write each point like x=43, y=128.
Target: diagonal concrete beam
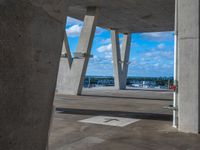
x=67, y=48
x=70, y=80
x=125, y=54
x=120, y=59
x=116, y=59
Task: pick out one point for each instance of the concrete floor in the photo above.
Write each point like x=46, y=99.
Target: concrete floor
x=152, y=132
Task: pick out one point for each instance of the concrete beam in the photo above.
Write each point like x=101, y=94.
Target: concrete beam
x=188, y=66
x=67, y=49
x=70, y=80
x=31, y=36
x=120, y=59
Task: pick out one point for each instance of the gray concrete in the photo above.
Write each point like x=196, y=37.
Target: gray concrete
x=31, y=35
x=116, y=56
x=120, y=58
x=71, y=76
x=188, y=66
x=149, y=133
x=125, y=54
x=129, y=15
x=130, y=92
x=66, y=51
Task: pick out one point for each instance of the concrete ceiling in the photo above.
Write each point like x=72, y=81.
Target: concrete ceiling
x=129, y=15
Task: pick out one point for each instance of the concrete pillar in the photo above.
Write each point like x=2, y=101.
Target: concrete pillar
x=188, y=66
x=67, y=49
x=70, y=80
x=120, y=59
x=31, y=36
x=116, y=59
x=125, y=54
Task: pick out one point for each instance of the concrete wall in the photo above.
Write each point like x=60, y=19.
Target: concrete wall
x=188, y=66
x=31, y=36
x=62, y=87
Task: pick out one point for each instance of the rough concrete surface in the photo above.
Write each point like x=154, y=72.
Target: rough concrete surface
x=120, y=57
x=188, y=66
x=30, y=45
x=129, y=15
x=153, y=132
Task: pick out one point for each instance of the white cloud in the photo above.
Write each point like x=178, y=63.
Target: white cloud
x=105, y=48
x=73, y=21
x=156, y=65
x=74, y=30
x=161, y=46
x=158, y=54
x=99, y=30
x=153, y=34
x=108, y=55
x=106, y=41
x=158, y=36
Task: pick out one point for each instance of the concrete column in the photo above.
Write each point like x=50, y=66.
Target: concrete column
x=31, y=36
x=188, y=66
x=70, y=81
x=116, y=59
x=120, y=59
x=125, y=54
x=67, y=49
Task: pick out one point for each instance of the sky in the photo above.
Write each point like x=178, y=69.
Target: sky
x=152, y=54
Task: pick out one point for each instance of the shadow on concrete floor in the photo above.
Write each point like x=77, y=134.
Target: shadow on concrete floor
x=119, y=97
x=136, y=115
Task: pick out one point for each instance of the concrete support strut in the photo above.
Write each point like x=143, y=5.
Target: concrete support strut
x=120, y=59
x=188, y=66
x=72, y=72
x=31, y=36
x=67, y=49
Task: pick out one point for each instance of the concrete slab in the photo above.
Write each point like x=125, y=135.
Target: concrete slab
x=129, y=15
x=148, y=133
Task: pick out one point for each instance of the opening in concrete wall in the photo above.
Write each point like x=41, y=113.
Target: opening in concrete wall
x=152, y=60
x=73, y=30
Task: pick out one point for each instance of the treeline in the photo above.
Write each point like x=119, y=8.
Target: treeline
x=160, y=81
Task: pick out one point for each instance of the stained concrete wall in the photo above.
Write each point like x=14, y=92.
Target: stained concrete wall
x=62, y=87
x=31, y=36
x=188, y=66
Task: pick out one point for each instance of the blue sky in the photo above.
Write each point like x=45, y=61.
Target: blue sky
x=152, y=54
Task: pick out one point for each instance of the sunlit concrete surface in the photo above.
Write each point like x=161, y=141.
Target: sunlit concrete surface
x=154, y=130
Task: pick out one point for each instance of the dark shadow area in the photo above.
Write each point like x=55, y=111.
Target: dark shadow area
x=136, y=115
x=120, y=97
